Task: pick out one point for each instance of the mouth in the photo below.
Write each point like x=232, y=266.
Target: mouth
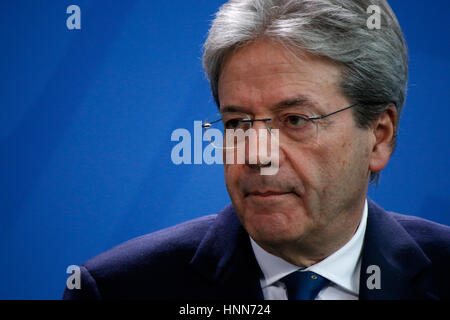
x=266, y=194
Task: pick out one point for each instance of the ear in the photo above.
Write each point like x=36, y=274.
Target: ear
x=383, y=130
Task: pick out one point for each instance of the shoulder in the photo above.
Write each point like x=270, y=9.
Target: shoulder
x=422, y=229
x=158, y=260
x=432, y=237
x=427, y=234
x=150, y=266
x=182, y=239
x=129, y=269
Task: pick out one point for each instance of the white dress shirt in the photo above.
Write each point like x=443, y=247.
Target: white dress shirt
x=342, y=268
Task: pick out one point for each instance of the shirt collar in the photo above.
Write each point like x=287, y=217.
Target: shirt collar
x=342, y=267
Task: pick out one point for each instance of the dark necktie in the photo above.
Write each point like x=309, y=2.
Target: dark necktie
x=304, y=285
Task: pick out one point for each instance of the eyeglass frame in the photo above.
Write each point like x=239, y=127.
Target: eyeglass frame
x=266, y=120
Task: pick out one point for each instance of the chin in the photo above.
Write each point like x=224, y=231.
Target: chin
x=274, y=228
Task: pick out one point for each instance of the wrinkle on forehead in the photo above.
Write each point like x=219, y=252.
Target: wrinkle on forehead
x=250, y=57
x=267, y=68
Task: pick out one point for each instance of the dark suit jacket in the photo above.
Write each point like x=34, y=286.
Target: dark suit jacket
x=210, y=258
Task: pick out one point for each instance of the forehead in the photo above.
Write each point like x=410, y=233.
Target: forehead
x=266, y=73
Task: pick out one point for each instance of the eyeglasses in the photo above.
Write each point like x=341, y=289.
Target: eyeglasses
x=297, y=126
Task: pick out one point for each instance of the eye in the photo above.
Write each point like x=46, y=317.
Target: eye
x=232, y=123
x=295, y=121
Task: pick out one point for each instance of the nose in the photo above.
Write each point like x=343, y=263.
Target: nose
x=262, y=147
x=256, y=143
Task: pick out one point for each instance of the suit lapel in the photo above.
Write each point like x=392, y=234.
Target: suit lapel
x=401, y=263
x=225, y=258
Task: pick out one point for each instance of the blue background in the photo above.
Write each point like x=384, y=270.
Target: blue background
x=86, y=118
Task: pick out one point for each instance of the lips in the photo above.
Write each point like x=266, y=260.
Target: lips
x=260, y=188
x=267, y=193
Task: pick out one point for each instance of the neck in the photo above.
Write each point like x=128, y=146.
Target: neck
x=320, y=242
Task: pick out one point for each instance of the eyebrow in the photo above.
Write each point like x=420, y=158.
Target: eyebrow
x=299, y=101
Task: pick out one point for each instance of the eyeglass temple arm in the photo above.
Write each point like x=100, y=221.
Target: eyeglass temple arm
x=208, y=124
x=330, y=114
x=252, y=120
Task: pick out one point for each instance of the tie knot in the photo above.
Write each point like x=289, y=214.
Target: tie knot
x=304, y=285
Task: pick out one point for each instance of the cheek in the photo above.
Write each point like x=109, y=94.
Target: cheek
x=228, y=174
x=324, y=169
x=344, y=169
x=308, y=163
x=232, y=174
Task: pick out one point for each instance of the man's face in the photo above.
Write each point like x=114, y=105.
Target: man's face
x=322, y=182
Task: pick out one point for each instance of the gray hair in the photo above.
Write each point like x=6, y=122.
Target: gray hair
x=374, y=61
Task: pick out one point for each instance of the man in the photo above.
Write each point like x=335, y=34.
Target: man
x=333, y=88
